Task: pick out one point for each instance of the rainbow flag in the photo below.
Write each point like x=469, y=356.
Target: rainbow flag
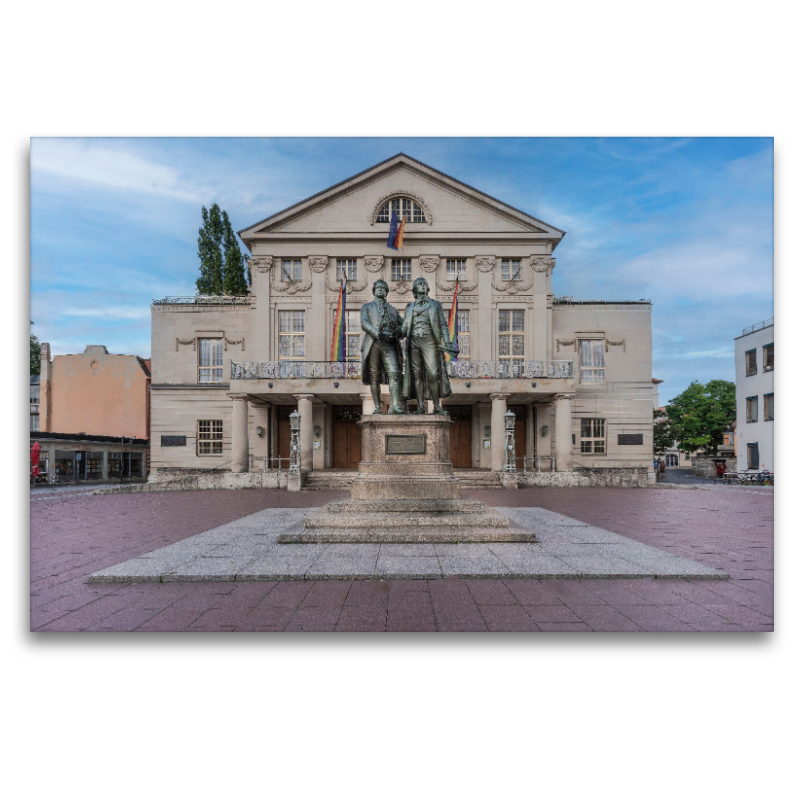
x=452, y=324
x=395, y=240
x=339, y=340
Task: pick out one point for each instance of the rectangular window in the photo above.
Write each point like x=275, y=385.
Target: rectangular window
x=752, y=455
x=511, y=342
x=463, y=335
x=750, y=367
x=593, y=365
x=769, y=357
x=752, y=409
x=353, y=335
x=34, y=406
x=769, y=407
x=291, y=269
x=209, y=360
x=291, y=335
x=209, y=437
x=347, y=267
x=593, y=436
x=401, y=269
x=456, y=269
x=510, y=269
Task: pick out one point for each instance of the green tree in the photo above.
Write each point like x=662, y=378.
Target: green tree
x=36, y=352
x=222, y=266
x=663, y=435
x=233, y=267
x=701, y=414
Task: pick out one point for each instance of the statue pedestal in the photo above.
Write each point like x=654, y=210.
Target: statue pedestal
x=406, y=492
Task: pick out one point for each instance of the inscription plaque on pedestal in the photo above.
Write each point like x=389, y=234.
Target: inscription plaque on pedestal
x=406, y=445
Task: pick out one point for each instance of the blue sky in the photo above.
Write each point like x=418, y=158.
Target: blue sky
x=686, y=223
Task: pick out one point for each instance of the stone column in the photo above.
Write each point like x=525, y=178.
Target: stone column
x=305, y=409
x=563, y=425
x=498, y=431
x=240, y=445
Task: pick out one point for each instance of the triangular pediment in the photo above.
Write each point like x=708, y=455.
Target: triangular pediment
x=450, y=206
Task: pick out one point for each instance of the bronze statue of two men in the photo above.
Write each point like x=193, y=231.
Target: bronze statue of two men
x=420, y=340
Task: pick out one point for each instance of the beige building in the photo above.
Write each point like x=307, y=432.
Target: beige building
x=228, y=371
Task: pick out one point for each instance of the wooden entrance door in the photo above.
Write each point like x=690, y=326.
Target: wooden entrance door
x=346, y=442
x=520, y=434
x=284, y=434
x=461, y=436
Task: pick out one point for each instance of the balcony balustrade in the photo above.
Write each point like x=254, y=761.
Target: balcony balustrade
x=345, y=370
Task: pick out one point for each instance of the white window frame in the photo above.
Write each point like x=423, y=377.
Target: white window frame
x=465, y=352
x=352, y=335
x=350, y=265
x=594, y=371
x=289, y=331
x=291, y=269
x=209, y=437
x=403, y=207
x=456, y=269
x=514, y=334
x=511, y=269
x=593, y=436
x=401, y=269
x=213, y=371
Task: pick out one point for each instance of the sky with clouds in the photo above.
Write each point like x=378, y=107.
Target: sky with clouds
x=686, y=223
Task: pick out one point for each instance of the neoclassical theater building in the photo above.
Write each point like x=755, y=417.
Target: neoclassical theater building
x=228, y=371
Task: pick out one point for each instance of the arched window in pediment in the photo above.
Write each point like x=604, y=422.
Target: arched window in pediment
x=403, y=207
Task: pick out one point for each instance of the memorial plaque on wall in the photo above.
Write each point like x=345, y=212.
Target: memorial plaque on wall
x=630, y=438
x=173, y=441
x=406, y=445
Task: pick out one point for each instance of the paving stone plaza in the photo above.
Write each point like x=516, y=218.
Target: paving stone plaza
x=613, y=560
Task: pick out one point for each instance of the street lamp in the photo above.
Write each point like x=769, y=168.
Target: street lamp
x=510, y=464
x=294, y=455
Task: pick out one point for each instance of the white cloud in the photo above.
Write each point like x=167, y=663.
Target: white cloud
x=111, y=166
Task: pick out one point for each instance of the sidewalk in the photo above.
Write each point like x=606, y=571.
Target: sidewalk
x=75, y=535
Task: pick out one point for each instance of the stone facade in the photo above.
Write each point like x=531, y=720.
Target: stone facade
x=521, y=346
x=755, y=382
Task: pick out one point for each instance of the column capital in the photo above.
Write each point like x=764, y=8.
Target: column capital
x=303, y=396
x=237, y=396
x=500, y=395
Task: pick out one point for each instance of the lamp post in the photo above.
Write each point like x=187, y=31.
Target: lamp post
x=294, y=455
x=510, y=463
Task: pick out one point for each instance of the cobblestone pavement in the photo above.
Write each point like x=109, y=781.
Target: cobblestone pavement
x=73, y=536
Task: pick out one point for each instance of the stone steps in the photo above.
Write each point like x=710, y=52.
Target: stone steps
x=327, y=480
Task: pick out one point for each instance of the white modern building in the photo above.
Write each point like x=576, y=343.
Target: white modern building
x=228, y=371
x=755, y=397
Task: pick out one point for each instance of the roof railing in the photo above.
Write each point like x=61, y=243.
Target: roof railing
x=758, y=326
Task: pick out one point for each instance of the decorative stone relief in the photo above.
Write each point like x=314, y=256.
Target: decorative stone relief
x=485, y=263
x=262, y=263
x=318, y=263
x=192, y=342
x=449, y=285
x=400, y=287
x=429, y=263
x=620, y=343
x=374, y=263
x=233, y=341
x=512, y=287
x=543, y=264
x=290, y=286
x=350, y=287
x=565, y=343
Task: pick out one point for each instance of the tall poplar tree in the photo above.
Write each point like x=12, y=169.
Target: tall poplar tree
x=222, y=265
x=233, y=277
x=209, y=251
